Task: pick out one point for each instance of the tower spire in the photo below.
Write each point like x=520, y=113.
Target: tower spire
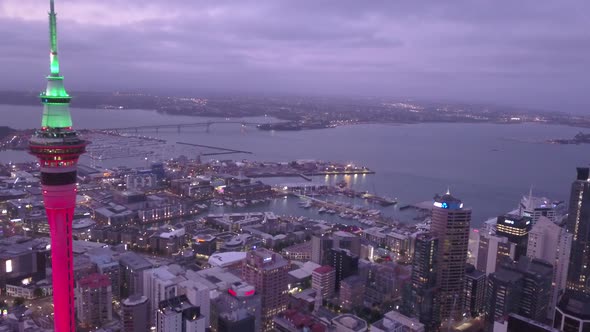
x=53, y=60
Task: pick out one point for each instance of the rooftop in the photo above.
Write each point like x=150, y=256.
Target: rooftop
x=351, y=322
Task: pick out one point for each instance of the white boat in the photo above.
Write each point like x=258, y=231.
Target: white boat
x=218, y=203
x=322, y=210
x=240, y=204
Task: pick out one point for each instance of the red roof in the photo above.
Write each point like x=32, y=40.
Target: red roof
x=324, y=269
x=95, y=280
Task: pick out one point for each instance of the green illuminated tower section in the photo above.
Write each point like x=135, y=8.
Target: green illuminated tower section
x=56, y=112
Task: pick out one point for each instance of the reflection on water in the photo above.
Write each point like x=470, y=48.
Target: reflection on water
x=488, y=166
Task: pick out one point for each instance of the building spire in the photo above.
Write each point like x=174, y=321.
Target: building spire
x=54, y=62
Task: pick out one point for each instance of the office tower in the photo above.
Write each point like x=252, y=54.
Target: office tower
x=518, y=323
x=516, y=230
x=493, y=251
x=160, y=284
x=536, y=207
x=344, y=262
x=550, y=242
x=323, y=281
x=237, y=310
x=474, y=292
x=578, y=224
x=320, y=246
x=573, y=312
x=177, y=314
x=352, y=292
x=348, y=241
x=267, y=272
x=423, y=301
x=134, y=314
x=94, y=300
x=132, y=267
x=57, y=147
x=450, y=223
x=523, y=287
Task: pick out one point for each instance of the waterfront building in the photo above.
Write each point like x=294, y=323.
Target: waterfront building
x=516, y=229
x=550, y=242
x=95, y=300
x=450, y=224
x=134, y=314
x=57, y=147
x=268, y=272
x=578, y=224
x=573, y=312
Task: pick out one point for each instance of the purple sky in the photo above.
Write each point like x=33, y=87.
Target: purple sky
x=525, y=52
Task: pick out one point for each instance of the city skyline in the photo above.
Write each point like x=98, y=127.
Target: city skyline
x=523, y=54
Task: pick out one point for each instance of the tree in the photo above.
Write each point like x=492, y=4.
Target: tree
x=38, y=292
x=18, y=301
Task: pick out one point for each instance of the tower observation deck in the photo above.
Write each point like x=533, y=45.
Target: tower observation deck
x=58, y=147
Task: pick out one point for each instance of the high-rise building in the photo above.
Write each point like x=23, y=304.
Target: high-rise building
x=323, y=281
x=516, y=229
x=348, y=241
x=536, y=207
x=134, y=314
x=475, y=291
x=523, y=287
x=268, y=273
x=573, y=312
x=344, y=262
x=132, y=267
x=352, y=292
x=578, y=224
x=177, y=314
x=424, y=303
x=57, y=147
x=94, y=300
x=550, y=242
x=320, y=246
x=450, y=223
x=492, y=251
x=160, y=284
x=518, y=323
x=237, y=310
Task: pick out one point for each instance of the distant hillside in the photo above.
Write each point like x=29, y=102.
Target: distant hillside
x=5, y=131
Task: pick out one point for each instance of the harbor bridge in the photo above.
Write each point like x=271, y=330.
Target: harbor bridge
x=179, y=126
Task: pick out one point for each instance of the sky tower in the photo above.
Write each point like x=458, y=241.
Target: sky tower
x=58, y=146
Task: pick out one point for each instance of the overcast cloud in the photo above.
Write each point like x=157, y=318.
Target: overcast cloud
x=534, y=53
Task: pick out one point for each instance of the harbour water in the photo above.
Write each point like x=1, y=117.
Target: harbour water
x=489, y=166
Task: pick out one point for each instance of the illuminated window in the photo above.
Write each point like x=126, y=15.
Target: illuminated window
x=9, y=266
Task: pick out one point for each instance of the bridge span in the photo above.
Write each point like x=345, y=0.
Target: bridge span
x=178, y=126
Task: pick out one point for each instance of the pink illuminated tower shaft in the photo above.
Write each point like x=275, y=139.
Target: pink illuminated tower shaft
x=59, y=205
x=57, y=147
